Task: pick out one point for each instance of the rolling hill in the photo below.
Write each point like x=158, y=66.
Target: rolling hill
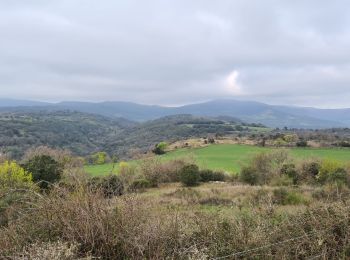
x=79, y=132
x=170, y=128
x=248, y=111
x=84, y=133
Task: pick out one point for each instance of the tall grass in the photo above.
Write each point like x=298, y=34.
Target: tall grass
x=85, y=223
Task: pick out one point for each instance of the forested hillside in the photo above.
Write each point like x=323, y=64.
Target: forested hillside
x=248, y=111
x=86, y=133
x=172, y=128
x=79, y=132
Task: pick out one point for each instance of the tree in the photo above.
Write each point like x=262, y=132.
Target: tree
x=190, y=175
x=160, y=148
x=14, y=184
x=45, y=170
x=14, y=176
x=99, y=158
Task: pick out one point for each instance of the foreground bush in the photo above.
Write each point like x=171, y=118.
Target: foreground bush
x=44, y=169
x=283, y=196
x=51, y=250
x=156, y=171
x=14, y=176
x=64, y=157
x=190, y=175
x=332, y=171
x=82, y=224
x=110, y=185
x=249, y=175
x=210, y=175
x=264, y=167
x=278, y=169
x=16, y=186
x=290, y=171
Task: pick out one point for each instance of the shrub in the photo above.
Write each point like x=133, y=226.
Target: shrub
x=51, y=250
x=160, y=148
x=189, y=195
x=249, y=175
x=110, y=185
x=134, y=227
x=63, y=157
x=311, y=169
x=171, y=170
x=333, y=172
x=128, y=174
x=284, y=197
x=139, y=185
x=45, y=170
x=15, y=185
x=282, y=180
x=190, y=175
x=152, y=171
x=262, y=163
x=264, y=167
x=14, y=176
x=155, y=171
x=209, y=175
x=290, y=171
x=330, y=192
x=301, y=143
x=267, y=165
x=211, y=140
x=99, y=158
x=344, y=144
x=339, y=176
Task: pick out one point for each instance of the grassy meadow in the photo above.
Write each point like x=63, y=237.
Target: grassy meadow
x=231, y=157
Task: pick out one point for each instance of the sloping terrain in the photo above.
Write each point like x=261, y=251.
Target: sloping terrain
x=171, y=128
x=84, y=133
x=248, y=111
x=81, y=133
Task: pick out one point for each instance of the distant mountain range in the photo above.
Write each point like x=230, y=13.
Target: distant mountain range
x=248, y=111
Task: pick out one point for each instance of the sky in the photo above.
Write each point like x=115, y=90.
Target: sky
x=173, y=52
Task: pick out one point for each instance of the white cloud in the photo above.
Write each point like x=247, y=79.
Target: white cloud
x=232, y=85
x=177, y=51
x=216, y=22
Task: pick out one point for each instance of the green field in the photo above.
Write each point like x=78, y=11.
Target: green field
x=230, y=158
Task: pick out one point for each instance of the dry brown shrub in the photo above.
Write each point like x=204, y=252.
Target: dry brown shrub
x=157, y=171
x=64, y=157
x=136, y=227
x=50, y=250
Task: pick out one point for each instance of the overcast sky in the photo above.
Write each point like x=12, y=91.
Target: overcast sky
x=171, y=52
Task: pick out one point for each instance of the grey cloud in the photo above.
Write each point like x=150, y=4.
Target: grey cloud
x=175, y=52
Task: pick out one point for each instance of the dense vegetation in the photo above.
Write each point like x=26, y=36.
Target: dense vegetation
x=78, y=132
x=207, y=188
x=85, y=134
x=290, y=208
x=252, y=112
x=171, y=128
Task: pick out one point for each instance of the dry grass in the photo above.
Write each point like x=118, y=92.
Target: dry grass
x=205, y=222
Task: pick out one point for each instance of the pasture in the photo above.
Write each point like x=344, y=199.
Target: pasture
x=231, y=157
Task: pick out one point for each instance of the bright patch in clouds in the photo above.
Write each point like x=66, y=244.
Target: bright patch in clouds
x=232, y=84
x=177, y=51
